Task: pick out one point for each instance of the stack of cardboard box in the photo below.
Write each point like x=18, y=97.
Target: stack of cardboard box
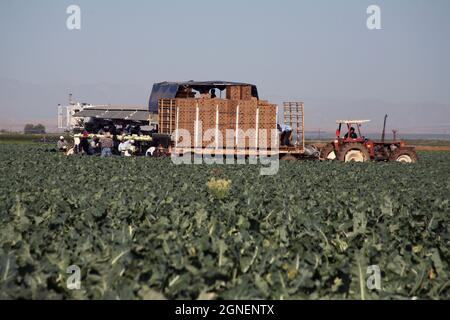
x=239, y=93
x=222, y=115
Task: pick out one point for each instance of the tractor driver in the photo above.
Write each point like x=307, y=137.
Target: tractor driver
x=352, y=134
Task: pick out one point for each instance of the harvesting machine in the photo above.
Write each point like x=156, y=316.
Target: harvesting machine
x=222, y=118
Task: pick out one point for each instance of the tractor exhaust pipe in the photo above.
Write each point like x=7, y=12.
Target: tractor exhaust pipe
x=384, y=128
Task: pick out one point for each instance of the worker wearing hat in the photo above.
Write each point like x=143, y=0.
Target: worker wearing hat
x=61, y=144
x=84, y=144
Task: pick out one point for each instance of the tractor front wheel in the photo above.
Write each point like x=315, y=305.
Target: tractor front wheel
x=353, y=152
x=403, y=155
x=328, y=153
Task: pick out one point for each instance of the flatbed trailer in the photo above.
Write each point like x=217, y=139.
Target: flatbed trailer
x=283, y=153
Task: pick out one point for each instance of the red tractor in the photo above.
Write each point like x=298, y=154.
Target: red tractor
x=353, y=146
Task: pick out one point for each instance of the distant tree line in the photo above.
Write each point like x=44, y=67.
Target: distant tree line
x=34, y=129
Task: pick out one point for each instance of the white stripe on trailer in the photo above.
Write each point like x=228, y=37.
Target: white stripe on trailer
x=217, y=126
x=176, y=127
x=237, y=126
x=197, y=119
x=257, y=128
x=276, y=128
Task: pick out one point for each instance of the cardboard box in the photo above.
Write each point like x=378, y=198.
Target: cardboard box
x=186, y=110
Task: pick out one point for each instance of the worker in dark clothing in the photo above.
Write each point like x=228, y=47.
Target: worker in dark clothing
x=84, y=144
x=213, y=93
x=286, y=134
x=112, y=129
x=127, y=129
x=136, y=130
x=95, y=145
x=352, y=134
x=116, y=142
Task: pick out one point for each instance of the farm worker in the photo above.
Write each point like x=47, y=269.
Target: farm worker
x=121, y=147
x=285, y=128
x=160, y=151
x=150, y=151
x=130, y=149
x=95, y=145
x=116, y=143
x=112, y=129
x=128, y=129
x=76, y=147
x=133, y=148
x=107, y=144
x=61, y=144
x=352, y=134
x=84, y=144
x=124, y=146
x=136, y=130
x=286, y=134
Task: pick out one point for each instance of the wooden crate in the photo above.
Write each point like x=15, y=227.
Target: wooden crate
x=184, y=112
x=268, y=114
x=239, y=93
x=246, y=93
x=233, y=92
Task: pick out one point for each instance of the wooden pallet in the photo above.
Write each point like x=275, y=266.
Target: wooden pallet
x=294, y=117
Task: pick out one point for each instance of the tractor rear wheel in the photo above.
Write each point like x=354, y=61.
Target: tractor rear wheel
x=404, y=155
x=328, y=153
x=288, y=157
x=353, y=152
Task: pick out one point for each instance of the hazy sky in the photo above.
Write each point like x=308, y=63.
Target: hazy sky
x=317, y=51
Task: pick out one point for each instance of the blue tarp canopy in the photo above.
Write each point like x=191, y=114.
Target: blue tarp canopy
x=169, y=90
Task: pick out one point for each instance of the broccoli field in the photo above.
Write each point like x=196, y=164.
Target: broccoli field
x=143, y=228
